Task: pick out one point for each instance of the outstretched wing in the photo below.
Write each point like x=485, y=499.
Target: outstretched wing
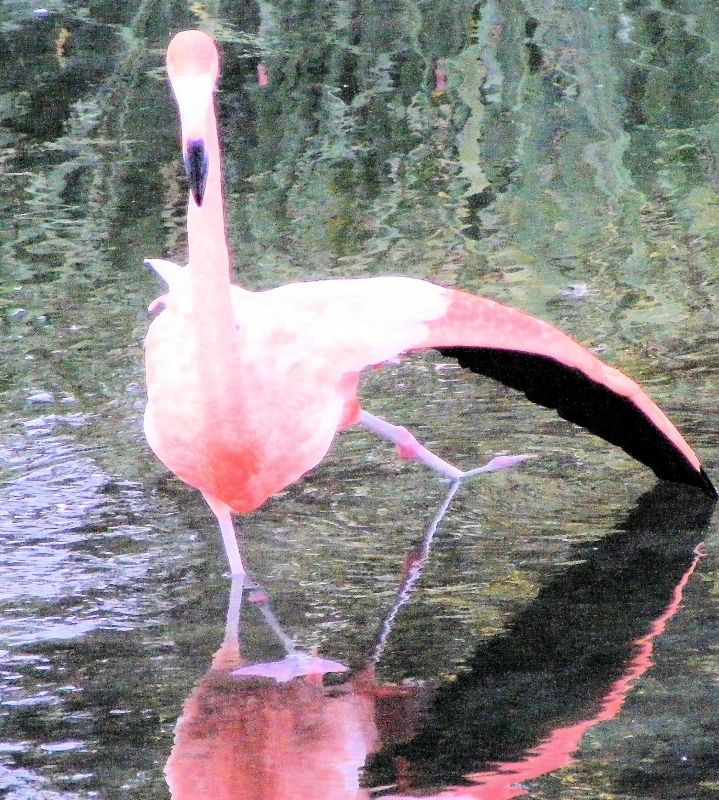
x=339, y=327
x=553, y=370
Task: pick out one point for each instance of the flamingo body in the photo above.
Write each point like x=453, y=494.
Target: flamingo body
x=284, y=410
x=272, y=418
x=246, y=390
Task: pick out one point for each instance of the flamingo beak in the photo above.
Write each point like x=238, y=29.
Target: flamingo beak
x=197, y=166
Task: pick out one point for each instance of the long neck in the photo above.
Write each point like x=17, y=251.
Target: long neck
x=209, y=261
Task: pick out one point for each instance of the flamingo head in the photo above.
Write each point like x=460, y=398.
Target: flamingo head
x=193, y=67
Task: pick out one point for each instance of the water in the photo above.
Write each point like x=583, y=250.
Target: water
x=562, y=635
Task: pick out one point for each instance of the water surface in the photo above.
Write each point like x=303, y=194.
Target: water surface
x=562, y=634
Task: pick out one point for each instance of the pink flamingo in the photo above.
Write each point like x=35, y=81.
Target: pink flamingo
x=246, y=390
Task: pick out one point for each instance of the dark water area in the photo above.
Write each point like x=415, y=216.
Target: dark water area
x=560, y=641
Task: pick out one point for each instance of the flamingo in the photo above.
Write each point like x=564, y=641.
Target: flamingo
x=246, y=390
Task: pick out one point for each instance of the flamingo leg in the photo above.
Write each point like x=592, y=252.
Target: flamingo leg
x=409, y=447
x=234, y=608
x=297, y=662
x=229, y=538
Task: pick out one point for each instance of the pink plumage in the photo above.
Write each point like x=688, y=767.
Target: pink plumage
x=246, y=390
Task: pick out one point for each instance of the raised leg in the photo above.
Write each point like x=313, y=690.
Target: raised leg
x=224, y=517
x=408, y=447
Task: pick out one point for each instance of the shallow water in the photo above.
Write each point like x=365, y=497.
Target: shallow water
x=562, y=636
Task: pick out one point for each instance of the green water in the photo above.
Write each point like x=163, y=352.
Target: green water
x=569, y=167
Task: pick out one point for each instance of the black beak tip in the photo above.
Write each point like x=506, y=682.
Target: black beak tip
x=197, y=167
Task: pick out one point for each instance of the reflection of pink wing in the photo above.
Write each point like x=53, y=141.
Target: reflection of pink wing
x=557, y=750
x=292, y=666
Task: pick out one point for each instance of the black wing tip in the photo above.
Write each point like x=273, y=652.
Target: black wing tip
x=569, y=391
x=686, y=474
x=694, y=479
x=706, y=485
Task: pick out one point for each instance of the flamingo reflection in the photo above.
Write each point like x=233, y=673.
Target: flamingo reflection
x=273, y=730
x=557, y=750
x=282, y=731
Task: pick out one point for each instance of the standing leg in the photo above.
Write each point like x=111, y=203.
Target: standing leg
x=234, y=608
x=224, y=517
x=296, y=662
x=229, y=656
